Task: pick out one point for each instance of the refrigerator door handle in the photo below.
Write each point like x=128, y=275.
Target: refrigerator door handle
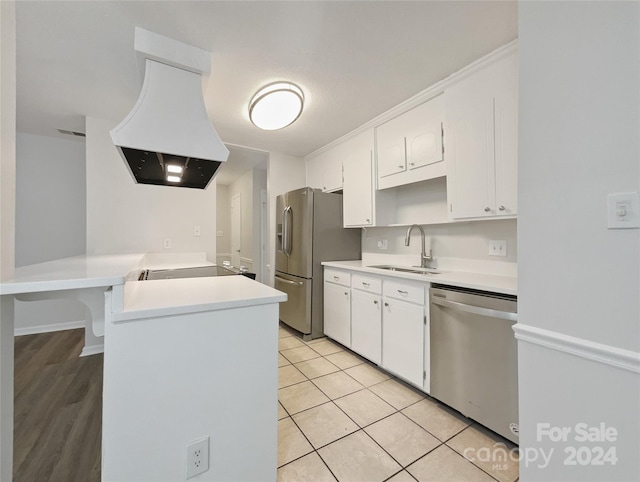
x=284, y=231
x=298, y=283
x=287, y=231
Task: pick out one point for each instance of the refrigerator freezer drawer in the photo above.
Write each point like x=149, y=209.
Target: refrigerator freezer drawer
x=296, y=311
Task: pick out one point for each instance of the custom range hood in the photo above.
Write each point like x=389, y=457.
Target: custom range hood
x=167, y=138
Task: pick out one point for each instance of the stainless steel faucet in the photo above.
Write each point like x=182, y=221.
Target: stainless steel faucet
x=424, y=259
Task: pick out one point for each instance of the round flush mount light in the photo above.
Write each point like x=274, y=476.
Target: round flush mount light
x=276, y=105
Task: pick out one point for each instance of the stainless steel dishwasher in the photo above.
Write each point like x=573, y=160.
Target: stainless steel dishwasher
x=474, y=358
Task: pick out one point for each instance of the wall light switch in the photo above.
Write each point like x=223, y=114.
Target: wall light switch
x=623, y=210
x=497, y=247
x=219, y=233
x=196, y=230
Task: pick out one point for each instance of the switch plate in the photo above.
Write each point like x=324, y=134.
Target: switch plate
x=219, y=233
x=623, y=210
x=166, y=243
x=196, y=230
x=497, y=247
x=383, y=244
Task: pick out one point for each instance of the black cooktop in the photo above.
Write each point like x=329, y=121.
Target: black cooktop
x=198, y=272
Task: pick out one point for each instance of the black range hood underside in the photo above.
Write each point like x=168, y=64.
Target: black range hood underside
x=150, y=168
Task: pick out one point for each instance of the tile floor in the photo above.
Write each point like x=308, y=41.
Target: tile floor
x=341, y=418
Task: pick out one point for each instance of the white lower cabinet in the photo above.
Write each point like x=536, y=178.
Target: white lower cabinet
x=366, y=325
x=403, y=339
x=337, y=312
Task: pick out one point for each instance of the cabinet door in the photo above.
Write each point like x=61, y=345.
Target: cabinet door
x=332, y=175
x=357, y=193
x=314, y=173
x=424, y=134
x=390, y=147
x=403, y=339
x=469, y=147
x=366, y=325
x=506, y=130
x=337, y=313
x=324, y=171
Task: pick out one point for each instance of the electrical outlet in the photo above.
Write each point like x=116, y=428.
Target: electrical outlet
x=383, y=244
x=166, y=242
x=497, y=248
x=197, y=457
x=196, y=230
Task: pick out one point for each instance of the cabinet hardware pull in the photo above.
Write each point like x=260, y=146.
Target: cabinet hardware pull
x=375, y=302
x=487, y=209
x=346, y=293
x=401, y=166
x=412, y=163
x=386, y=304
x=502, y=208
x=403, y=292
x=365, y=284
x=336, y=278
x=368, y=220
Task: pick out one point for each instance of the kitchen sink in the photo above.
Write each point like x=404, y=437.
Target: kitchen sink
x=406, y=269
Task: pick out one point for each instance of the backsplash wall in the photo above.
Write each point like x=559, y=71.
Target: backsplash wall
x=465, y=240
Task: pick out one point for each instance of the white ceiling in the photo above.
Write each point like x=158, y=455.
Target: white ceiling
x=354, y=60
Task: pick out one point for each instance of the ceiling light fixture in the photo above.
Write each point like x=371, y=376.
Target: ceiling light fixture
x=174, y=179
x=276, y=105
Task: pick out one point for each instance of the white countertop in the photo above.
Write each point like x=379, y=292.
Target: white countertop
x=190, y=295
x=72, y=273
x=479, y=281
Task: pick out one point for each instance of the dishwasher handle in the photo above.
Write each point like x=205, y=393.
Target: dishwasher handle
x=476, y=310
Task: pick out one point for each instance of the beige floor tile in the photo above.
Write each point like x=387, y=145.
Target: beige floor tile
x=344, y=359
x=289, y=342
x=403, y=476
x=301, y=396
x=326, y=347
x=501, y=462
x=282, y=413
x=284, y=332
x=324, y=424
x=316, y=340
x=364, y=407
x=336, y=385
x=396, y=394
x=298, y=354
x=436, y=418
x=405, y=440
x=291, y=442
x=289, y=375
x=316, y=367
x=282, y=361
x=367, y=374
x=309, y=468
x=357, y=458
x=445, y=465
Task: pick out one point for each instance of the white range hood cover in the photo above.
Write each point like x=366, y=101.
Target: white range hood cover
x=169, y=122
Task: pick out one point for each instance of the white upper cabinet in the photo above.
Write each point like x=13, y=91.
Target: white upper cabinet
x=481, y=142
x=324, y=171
x=358, y=189
x=409, y=147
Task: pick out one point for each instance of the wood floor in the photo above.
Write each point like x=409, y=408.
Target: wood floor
x=58, y=409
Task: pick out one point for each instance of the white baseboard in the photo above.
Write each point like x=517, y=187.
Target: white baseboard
x=590, y=350
x=92, y=350
x=32, y=330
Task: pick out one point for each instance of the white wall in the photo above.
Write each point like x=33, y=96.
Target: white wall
x=223, y=224
x=259, y=185
x=578, y=141
x=50, y=221
x=284, y=173
x=243, y=187
x=7, y=226
x=124, y=217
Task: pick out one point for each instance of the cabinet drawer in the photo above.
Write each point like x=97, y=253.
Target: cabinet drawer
x=367, y=283
x=413, y=293
x=336, y=276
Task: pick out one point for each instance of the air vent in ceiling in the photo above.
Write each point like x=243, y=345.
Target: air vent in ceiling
x=72, y=133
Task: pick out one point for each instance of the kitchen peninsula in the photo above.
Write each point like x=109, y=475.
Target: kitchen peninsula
x=185, y=359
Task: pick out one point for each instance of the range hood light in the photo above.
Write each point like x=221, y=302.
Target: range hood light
x=173, y=168
x=174, y=178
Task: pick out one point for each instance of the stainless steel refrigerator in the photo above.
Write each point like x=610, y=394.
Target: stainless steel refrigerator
x=309, y=231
